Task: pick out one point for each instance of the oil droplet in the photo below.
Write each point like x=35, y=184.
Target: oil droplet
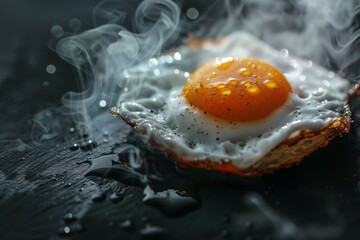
x=233, y=82
x=271, y=76
x=252, y=89
x=213, y=74
x=270, y=84
x=225, y=63
x=221, y=86
x=226, y=91
x=244, y=72
x=246, y=84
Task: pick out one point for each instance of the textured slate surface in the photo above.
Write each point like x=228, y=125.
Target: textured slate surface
x=45, y=194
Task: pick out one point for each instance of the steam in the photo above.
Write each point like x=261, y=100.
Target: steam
x=102, y=54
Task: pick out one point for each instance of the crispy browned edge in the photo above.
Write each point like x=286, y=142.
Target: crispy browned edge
x=284, y=155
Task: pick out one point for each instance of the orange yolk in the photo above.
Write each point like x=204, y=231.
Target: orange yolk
x=236, y=89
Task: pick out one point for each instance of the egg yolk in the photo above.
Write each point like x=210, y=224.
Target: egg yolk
x=234, y=89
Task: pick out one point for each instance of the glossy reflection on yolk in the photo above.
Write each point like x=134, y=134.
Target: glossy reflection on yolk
x=236, y=89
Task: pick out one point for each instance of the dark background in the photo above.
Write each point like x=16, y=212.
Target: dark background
x=44, y=193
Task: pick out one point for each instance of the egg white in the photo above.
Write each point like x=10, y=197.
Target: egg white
x=152, y=100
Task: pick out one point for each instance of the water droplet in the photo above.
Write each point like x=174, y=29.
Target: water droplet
x=102, y=103
x=213, y=74
x=51, y=69
x=177, y=56
x=157, y=72
x=67, y=185
x=170, y=202
x=74, y=147
x=153, y=62
x=72, y=130
x=64, y=231
x=192, y=13
x=152, y=232
x=69, y=217
x=319, y=92
x=126, y=225
x=186, y=74
x=88, y=145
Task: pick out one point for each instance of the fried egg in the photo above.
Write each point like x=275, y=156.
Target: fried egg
x=232, y=101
